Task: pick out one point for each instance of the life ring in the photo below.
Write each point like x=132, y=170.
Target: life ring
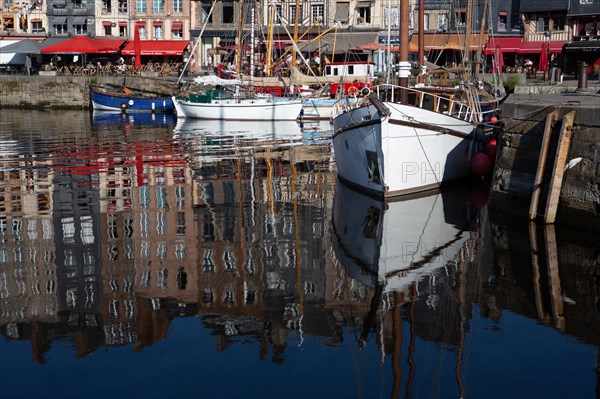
x=352, y=91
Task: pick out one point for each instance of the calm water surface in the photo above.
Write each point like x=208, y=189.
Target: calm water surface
x=146, y=257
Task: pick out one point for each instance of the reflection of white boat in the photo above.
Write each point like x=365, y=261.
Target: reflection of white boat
x=398, y=243
x=259, y=130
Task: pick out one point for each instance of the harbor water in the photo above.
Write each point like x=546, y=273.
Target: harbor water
x=142, y=256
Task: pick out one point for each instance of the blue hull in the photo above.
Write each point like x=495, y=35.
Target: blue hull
x=105, y=100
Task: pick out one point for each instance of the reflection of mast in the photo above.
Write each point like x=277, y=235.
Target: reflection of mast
x=411, y=345
x=462, y=325
x=297, y=246
x=397, y=334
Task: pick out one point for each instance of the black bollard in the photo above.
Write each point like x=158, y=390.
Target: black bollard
x=582, y=76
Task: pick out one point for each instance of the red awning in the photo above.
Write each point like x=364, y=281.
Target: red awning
x=106, y=23
x=140, y=23
x=122, y=23
x=158, y=47
x=536, y=47
x=83, y=44
x=504, y=44
x=177, y=26
x=157, y=23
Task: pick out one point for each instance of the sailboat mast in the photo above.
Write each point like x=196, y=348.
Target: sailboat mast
x=421, y=38
x=481, y=33
x=268, y=61
x=404, y=65
x=295, y=31
x=240, y=38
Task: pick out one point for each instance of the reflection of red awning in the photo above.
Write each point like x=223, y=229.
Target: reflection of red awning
x=177, y=25
x=504, y=44
x=85, y=45
x=536, y=47
x=502, y=13
x=158, y=47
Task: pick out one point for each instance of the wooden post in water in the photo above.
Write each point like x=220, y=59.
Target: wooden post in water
x=537, y=184
x=560, y=161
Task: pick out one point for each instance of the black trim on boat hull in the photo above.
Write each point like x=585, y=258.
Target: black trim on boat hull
x=429, y=126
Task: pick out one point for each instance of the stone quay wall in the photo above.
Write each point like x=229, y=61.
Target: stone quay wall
x=519, y=151
x=67, y=92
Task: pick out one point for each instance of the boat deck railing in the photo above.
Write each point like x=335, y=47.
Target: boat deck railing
x=462, y=104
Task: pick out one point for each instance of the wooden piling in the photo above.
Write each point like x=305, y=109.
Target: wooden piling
x=539, y=175
x=560, y=160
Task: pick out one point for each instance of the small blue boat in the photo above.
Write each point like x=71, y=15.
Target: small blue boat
x=129, y=100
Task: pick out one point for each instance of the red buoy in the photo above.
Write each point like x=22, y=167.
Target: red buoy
x=481, y=164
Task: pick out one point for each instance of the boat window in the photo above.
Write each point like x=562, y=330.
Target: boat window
x=373, y=167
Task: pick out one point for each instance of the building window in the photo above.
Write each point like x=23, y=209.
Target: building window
x=278, y=10
x=79, y=3
x=293, y=14
x=178, y=6
x=60, y=29
x=142, y=30
x=123, y=6
x=158, y=6
x=140, y=6
x=364, y=15
x=502, y=21
x=205, y=15
x=543, y=24
x=558, y=22
x=106, y=6
x=516, y=22
x=228, y=12
x=123, y=30
x=393, y=20
x=80, y=29
x=426, y=22
x=442, y=22
x=158, y=32
x=36, y=27
x=107, y=30
x=316, y=13
x=177, y=33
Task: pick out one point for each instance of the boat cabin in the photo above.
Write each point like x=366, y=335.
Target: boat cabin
x=349, y=69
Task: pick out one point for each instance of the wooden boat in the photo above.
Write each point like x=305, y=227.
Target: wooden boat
x=123, y=99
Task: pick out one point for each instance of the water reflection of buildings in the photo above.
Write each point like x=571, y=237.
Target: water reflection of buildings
x=109, y=254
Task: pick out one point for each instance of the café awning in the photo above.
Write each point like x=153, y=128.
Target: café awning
x=158, y=47
x=85, y=45
x=504, y=44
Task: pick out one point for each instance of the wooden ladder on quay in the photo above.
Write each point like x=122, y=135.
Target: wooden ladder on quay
x=557, y=169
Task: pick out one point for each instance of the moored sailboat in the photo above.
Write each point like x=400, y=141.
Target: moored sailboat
x=400, y=140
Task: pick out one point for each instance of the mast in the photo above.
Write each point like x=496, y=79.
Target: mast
x=295, y=31
x=421, y=38
x=404, y=65
x=240, y=38
x=268, y=61
x=481, y=32
x=252, y=45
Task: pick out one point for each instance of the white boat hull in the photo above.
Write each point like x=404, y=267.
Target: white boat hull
x=248, y=110
x=410, y=150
